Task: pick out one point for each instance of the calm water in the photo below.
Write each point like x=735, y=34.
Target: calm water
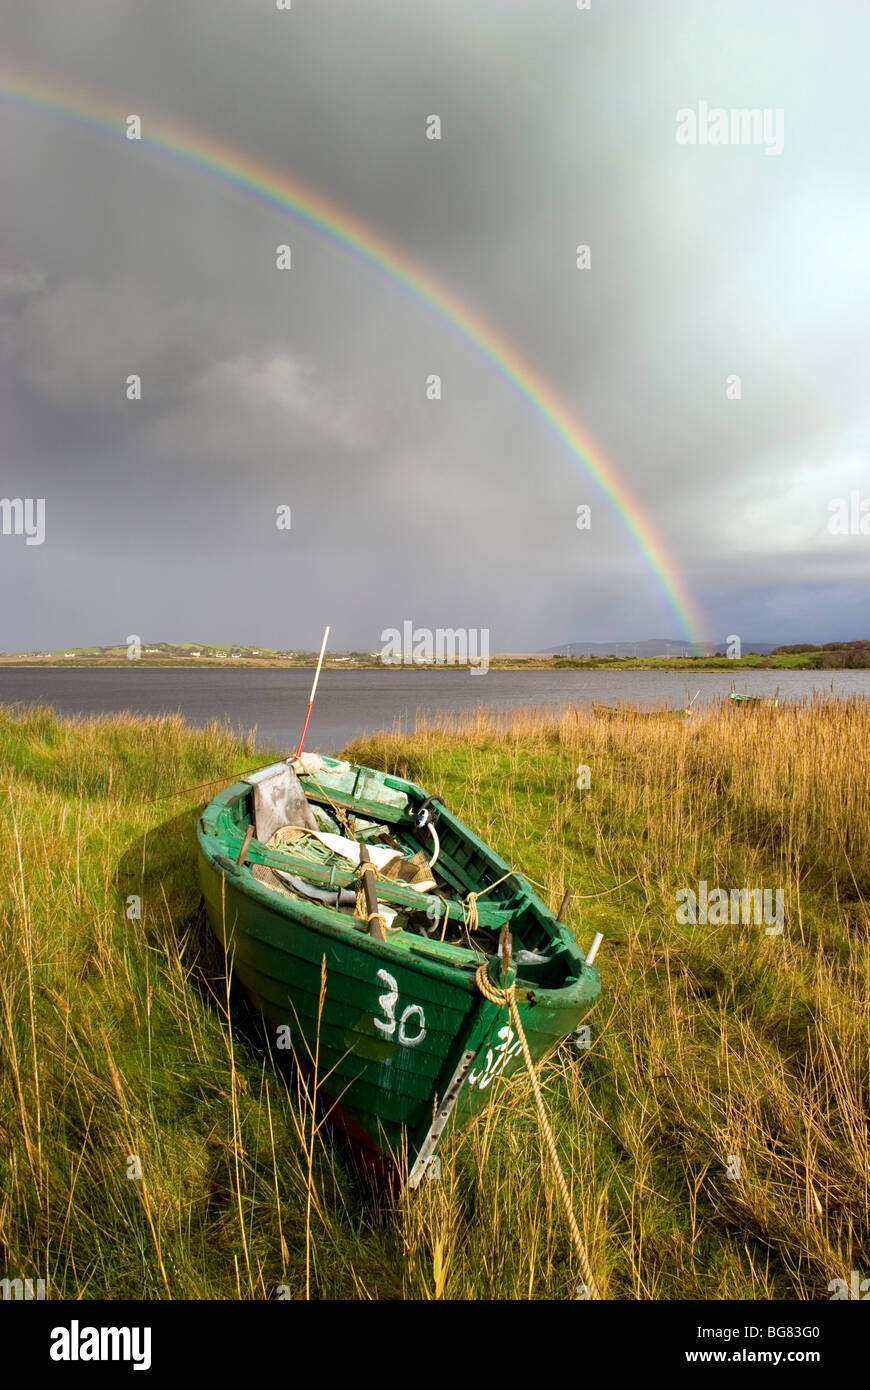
x=355, y=702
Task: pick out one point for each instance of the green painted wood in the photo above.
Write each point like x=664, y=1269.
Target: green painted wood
x=753, y=699
x=397, y=1014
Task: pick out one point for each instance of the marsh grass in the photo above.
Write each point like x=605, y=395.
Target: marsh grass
x=120, y=1038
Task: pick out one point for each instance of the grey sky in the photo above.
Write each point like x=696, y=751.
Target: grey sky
x=308, y=387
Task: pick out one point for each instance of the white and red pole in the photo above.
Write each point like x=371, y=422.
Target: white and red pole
x=313, y=690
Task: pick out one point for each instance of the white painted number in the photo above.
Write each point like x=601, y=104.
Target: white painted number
x=412, y=1015
x=496, y=1058
x=412, y=1011
x=388, y=1004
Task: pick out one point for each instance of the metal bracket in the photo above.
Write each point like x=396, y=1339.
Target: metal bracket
x=451, y=1095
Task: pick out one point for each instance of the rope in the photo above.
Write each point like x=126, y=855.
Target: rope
x=342, y=815
x=361, y=907
x=496, y=995
x=584, y=897
x=446, y=915
x=212, y=782
x=472, y=921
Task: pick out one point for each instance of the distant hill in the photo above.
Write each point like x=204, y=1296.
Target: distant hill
x=653, y=646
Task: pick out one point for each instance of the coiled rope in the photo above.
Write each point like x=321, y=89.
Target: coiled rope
x=508, y=997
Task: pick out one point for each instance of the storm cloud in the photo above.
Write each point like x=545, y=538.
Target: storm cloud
x=306, y=388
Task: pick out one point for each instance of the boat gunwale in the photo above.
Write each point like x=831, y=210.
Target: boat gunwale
x=333, y=925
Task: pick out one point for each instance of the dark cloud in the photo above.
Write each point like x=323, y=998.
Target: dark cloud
x=307, y=388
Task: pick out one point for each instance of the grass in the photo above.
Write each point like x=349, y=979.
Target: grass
x=751, y=661
x=122, y=1050
x=174, y=655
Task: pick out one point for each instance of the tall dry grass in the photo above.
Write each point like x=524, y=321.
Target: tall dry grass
x=148, y=1146
x=119, y=1038
x=718, y=1050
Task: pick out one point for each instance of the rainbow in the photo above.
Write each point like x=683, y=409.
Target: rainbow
x=240, y=170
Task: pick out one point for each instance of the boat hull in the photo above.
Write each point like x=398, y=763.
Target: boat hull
x=392, y=1024
x=754, y=701
x=390, y=1032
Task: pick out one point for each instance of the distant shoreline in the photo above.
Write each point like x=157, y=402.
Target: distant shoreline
x=789, y=662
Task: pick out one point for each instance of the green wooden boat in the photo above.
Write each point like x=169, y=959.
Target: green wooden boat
x=754, y=701
x=406, y=1042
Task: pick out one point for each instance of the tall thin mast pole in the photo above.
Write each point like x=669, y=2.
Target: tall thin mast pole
x=313, y=690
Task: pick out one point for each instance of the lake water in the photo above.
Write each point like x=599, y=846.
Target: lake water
x=350, y=703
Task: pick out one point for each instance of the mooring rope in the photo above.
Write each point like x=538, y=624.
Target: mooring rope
x=508, y=997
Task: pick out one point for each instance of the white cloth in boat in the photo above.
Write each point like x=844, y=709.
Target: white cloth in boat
x=380, y=855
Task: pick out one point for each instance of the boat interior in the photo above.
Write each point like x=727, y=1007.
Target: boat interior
x=440, y=891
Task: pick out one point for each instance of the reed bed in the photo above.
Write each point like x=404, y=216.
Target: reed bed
x=715, y=1132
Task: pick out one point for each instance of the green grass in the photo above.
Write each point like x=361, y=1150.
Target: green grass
x=175, y=654
x=116, y=1038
